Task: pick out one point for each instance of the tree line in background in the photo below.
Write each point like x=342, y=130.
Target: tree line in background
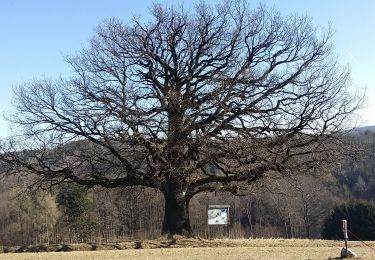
x=295, y=208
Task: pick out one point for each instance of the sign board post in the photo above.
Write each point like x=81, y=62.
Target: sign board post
x=345, y=230
x=218, y=215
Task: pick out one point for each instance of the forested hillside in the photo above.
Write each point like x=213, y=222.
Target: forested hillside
x=288, y=207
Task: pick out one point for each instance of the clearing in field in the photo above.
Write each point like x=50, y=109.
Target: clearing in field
x=184, y=248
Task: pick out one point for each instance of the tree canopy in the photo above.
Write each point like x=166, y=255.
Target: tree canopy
x=208, y=99
x=361, y=221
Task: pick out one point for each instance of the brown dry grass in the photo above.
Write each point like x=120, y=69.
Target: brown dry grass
x=185, y=248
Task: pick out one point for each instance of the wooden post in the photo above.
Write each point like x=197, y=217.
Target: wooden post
x=345, y=230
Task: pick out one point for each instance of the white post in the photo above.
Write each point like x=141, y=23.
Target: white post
x=345, y=230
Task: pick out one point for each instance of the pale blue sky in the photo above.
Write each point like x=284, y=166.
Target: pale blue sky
x=36, y=34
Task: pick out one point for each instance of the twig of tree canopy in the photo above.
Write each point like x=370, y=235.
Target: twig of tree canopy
x=209, y=99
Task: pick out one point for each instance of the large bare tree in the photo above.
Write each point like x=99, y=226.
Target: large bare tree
x=200, y=100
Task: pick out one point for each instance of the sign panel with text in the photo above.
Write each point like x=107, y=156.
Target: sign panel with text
x=218, y=215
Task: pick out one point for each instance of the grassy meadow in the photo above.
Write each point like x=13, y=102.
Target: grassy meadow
x=212, y=249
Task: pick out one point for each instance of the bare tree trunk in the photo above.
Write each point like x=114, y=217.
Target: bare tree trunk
x=306, y=220
x=286, y=229
x=249, y=217
x=176, y=213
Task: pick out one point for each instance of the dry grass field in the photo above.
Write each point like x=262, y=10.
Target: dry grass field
x=209, y=249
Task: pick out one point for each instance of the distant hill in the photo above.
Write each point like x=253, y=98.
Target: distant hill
x=364, y=129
